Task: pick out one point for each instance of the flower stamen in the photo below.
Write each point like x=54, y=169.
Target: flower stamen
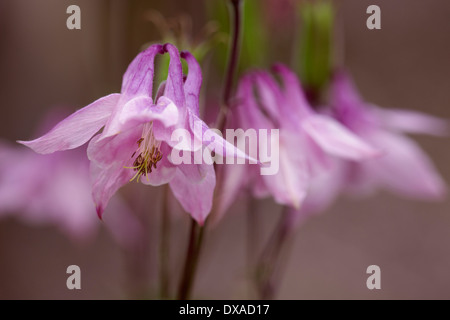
x=148, y=154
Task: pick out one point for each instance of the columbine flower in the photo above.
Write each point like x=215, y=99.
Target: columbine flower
x=136, y=139
x=404, y=168
x=307, y=138
x=54, y=189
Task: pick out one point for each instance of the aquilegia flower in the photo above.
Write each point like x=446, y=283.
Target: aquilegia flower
x=404, y=168
x=307, y=139
x=136, y=139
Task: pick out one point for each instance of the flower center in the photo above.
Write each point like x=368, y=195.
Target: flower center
x=148, y=153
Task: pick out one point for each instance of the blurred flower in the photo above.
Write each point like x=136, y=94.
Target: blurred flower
x=404, y=168
x=54, y=189
x=307, y=139
x=136, y=140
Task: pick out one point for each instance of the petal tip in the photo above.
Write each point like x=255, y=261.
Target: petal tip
x=100, y=210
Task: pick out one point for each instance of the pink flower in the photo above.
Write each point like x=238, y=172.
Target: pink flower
x=54, y=189
x=404, y=168
x=136, y=139
x=307, y=139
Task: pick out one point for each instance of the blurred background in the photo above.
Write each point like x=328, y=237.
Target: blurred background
x=43, y=65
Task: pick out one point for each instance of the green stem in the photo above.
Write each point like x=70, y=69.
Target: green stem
x=232, y=62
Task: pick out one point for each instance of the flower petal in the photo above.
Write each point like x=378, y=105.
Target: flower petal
x=195, y=197
x=165, y=170
x=76, y=129
x=293, y=90
x=141, y=110
x=289, y=186
x=174, y=84
x=193, y=82
x=106, y=181
x=247, y=114
x=138, y=79
x=118, y=148
x=270, y=96
x=337, y=140
x=405, y=168
x=216, y=142
x=412, y=121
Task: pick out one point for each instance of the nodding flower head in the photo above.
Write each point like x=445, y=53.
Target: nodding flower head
x=134, y=125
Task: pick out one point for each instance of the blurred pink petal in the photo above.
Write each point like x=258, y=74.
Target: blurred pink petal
x=404, y=167
x=411, y=122
x=336, y=139
x=54, y=189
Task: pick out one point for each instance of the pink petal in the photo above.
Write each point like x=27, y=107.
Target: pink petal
x=174, y=84
x=412, y=121
x=216, y=142
x=337, y=140
x=343, y=90
x=289, y=186
x=76, y=129
x=324, y=187
x=193, y=82
x=270, y=96
x=165, y=170
x=138, y=79
x=141, y=110
x=296, y=100
x=195, y=197
x=106, y=181
x=116, y=148
x=247, y=114
x=405, y=168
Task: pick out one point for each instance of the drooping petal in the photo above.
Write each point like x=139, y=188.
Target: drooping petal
x=411, y=121
x=138, y=79
x=337, y=140
x=296, y=100
x=290, y=185
x=270, y=97
x=195, y=197
x=193, y=82
x=405, y=168
x=215, y=142
x=116, y=148
x=174, y=84
x=324, y=187
x=106, y=181
x=247, y=114
x=343, y=90
x=76, y=129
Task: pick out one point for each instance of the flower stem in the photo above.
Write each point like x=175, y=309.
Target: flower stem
x=232, y=62
x=253, y=237
x=196, y=237
x=164, y=249
x=272, y=257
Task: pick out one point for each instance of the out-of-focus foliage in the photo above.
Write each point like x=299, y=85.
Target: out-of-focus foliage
x=254, y=32
x=315, y=43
